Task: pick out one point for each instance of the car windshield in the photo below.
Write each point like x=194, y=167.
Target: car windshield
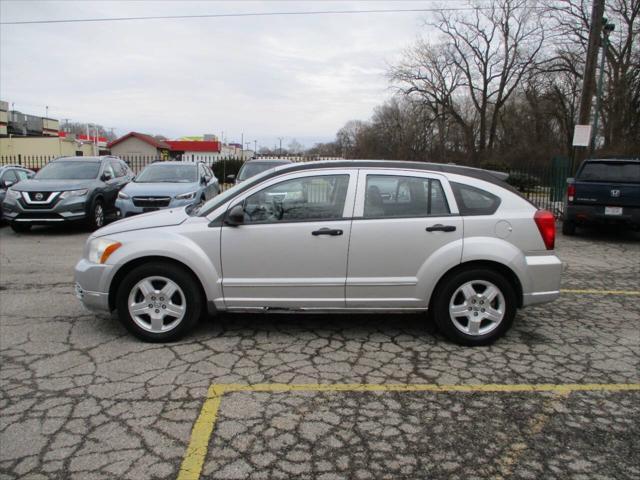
x=159, y=173
x=250, y=169
x=71, y=170
x=617, y=172
x=221, y=198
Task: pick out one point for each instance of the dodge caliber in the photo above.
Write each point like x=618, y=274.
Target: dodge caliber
x=339, y=236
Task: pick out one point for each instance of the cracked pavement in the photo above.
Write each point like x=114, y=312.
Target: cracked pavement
x=82, y=399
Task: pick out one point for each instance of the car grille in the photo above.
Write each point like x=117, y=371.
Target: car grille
x=39, y=200
x=156, y=202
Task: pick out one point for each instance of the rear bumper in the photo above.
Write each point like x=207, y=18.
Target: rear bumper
x=543, y=285
x=586, y=214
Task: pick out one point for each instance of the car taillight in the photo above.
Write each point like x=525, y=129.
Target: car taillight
x=571, y=192
x=546, y=223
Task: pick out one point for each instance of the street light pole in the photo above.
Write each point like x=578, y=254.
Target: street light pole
x=607, y=28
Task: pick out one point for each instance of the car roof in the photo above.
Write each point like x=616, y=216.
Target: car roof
x=172, y=162
x=269, y=160
x=86, y=159
x=612, y=159
x=486, y=175
x=13, y=165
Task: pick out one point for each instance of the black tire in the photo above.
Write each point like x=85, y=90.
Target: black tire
x=447, y=288
x=568, y=228
x=20, y=227
x=187, y=283
x=95, y=221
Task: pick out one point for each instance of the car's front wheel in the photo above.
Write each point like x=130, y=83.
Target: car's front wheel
x=159, y=302
x=475, y=306
x=96, y=215
x=568, y=228
x=20, y=227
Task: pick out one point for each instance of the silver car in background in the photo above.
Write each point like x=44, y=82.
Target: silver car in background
x=338, y=236
x=167, y=185
x=254, y=167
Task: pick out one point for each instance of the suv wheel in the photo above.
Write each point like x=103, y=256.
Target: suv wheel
x=20, y=227
x=474, y=307
x=568, y=228
x=159, y=302
x=96, y=215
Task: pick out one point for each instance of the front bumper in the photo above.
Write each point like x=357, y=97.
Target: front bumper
x=71, y=209
x=543, y=285
x=91, y=286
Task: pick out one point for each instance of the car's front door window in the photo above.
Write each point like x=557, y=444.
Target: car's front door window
x=302, y=199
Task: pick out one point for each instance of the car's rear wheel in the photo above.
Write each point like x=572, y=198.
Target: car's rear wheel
x=475, y=306
x=96, y=215
x=568, y=228
x=20, y=227
x=159, y=302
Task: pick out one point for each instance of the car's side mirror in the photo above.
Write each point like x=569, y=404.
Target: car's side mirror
x=6, y=183
x=235, y=216
x=204, y=180
x=231, y=178
x=106, y=176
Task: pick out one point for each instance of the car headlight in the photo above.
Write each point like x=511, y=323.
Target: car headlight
x=12, y=194
x=74, y=193
x=100, y=249
x=186, y=196
x=123, y=196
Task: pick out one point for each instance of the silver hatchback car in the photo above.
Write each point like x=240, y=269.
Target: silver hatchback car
x=338, y=236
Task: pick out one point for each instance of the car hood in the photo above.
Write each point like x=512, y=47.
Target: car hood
x=160, y=218
x=161, y=189
x=35, y=185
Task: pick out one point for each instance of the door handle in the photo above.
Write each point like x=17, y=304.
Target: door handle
x=327, y=231
x=441, y=228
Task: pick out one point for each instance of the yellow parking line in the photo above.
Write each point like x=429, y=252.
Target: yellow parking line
x=602, y=292
x=203, y=428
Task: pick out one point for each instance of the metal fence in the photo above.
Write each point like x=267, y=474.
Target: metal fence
x=543, y=184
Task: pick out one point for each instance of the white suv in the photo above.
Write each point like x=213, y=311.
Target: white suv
x=338, y=236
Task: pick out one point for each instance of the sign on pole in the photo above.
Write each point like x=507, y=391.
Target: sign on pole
x=582, y=136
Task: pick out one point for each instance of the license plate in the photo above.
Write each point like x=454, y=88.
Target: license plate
x=153, y=209
x=613, y=210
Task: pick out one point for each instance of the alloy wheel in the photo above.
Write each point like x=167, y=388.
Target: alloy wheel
x=157, y=304
x=477, y=307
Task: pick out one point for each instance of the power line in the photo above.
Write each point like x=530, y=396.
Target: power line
x=255, y=14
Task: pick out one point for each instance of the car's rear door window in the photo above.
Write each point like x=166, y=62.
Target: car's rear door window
x=297, y=200
x=389, y=196
x=474, y=201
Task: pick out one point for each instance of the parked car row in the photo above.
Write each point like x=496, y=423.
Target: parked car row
x=90, y=189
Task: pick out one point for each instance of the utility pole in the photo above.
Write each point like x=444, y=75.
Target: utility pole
x=255, y=146
x=607, y=28
x=280, y=150
x=589, y=77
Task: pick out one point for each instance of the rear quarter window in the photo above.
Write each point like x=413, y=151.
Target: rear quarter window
x=474, y=201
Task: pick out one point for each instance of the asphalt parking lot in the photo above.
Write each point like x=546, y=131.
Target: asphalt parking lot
x=259, y=396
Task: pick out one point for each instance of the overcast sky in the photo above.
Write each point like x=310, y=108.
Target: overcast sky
x=297, y=77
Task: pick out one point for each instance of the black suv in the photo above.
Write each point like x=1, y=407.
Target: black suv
x=67, y=189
